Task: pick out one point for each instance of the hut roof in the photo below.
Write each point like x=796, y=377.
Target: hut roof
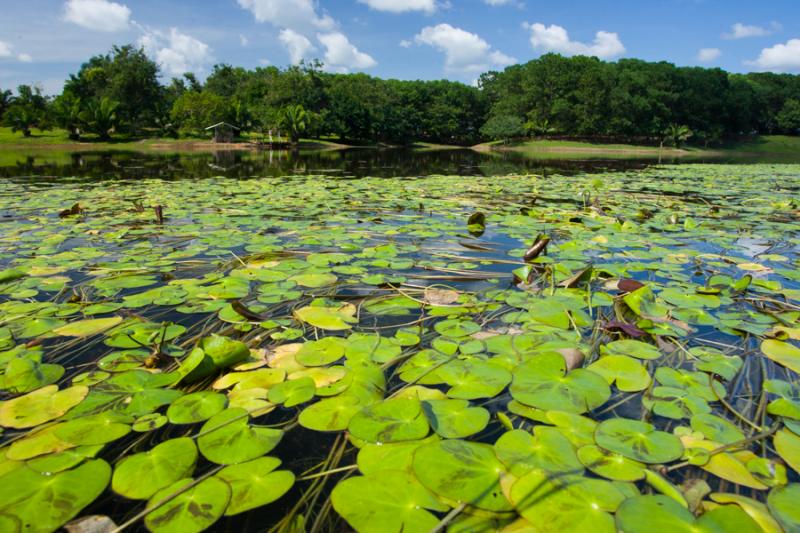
x=218, y=124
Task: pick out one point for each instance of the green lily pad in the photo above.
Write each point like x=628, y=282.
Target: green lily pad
x=660, y=513
x=632, y=348
x=783, y=353
x=787, y=444
x=196, y=407
x=255, y=483
x=457, y=328
x=390, y=421
x=455, y=419
x=94, y=429
x=543, y=382
x=638, y=440
x=461, y=471
x=193, y=510
x=87, y=328
x=328, y=318
x=29, y=496
x=227, y=438
x=292, y=393
x=548, y=451
x=566, y=503
x=628, y=373
x=389, y=502
x=716, y=428
x=322, y=352
x=610, y=465
x=40, y=406
x=141, y=475
x=314, y=280
x=330, y=414
x=782, y=503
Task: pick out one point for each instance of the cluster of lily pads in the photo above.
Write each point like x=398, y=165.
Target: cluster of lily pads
x=595, y=352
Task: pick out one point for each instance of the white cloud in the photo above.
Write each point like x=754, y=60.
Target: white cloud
x=299, y=15
x=98, y=15
x=743, y=31
x=341, y=54
x=405, y=43
x=780, y=58
x=556, y=39
x=464, y=52
x=176, y=52
x=298, y=46
x=7, y=51
x=401, y=6
x=707, y=55
x=498, y=2
x=243, y=40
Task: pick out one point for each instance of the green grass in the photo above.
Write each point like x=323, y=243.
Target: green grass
x=38, y=137
x=767, y=144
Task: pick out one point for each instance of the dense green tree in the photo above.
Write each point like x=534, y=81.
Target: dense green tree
x=126, y=76
x=503, y=128
x=193, y=111
x=66, y=111
x=789, y=117
x=6, y=97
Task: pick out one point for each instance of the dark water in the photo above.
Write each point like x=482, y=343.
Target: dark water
x=246, y=164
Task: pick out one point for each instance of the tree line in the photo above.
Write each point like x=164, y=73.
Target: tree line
x=119, y=93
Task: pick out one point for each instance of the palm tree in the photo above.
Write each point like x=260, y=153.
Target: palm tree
x=678, y=134
x=101, y=117
x=22, y=118
x=295, y=120
x=67, y=114
x=540, y=127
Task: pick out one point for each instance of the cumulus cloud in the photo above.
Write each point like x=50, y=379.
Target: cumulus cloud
x=299, y=15
x=297, y=45
x=556, y=39
x=401, y=6
x=464, y=52
x=98, y=15
x=342, y=55
x=499, y=2
x=707, y=55
x=25, y=58
x=176, y=52
x=780, y=58
x=5, y=50
x=743, y=31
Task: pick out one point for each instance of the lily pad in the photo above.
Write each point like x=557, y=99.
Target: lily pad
x=40, y=406
x=141, y=475
x=87, y=328
x=638, y=440
x=455, y=419
x=28, y=496
x=390, y=421
x=462, y=471
x=543, y=382
x=783, y=353
x=782, y=502
x=191, y=511
x=389, y=502
x=227, y=438
x=196, y=407
x=328, y=318
x=255, y=483
x=610, y=465
x=660, y=513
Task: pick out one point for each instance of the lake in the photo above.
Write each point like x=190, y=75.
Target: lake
x=275, y=341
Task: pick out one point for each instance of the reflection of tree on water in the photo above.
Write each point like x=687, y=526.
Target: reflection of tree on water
x=248, y=164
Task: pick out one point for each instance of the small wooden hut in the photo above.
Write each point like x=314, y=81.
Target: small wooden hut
x=223, y=132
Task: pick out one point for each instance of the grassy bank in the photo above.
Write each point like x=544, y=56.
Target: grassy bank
x=59, y=139
x=767, y=145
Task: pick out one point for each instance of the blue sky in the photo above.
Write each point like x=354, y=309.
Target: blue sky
x=42, y=41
